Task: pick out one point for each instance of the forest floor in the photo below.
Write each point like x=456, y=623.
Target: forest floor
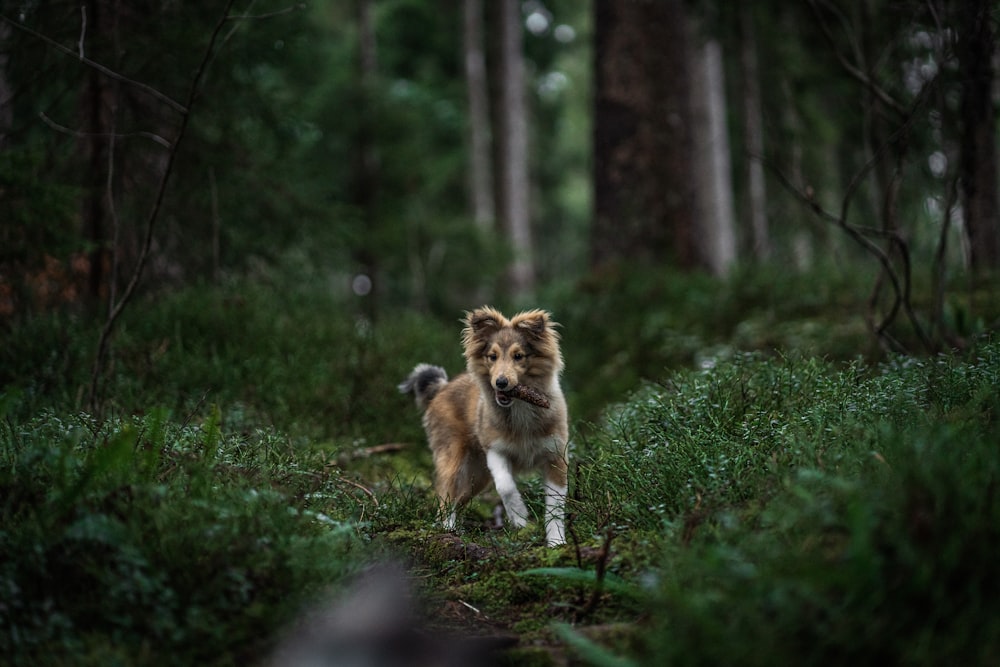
x=757, y=488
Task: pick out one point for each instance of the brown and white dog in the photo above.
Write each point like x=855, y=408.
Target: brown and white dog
x=478, y=431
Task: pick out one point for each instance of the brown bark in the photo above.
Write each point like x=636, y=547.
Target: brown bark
x=480, y=170
x=753, y=129
x=978, y=163
x=531, y=395
x=6, y=92
x=644, y=197
x=366, y=164
x=97, y=103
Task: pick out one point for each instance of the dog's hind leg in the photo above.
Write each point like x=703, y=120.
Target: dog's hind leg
x=457, y=484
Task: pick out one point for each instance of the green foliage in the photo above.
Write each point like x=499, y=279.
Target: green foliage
x=634, y=325
x=810, y=515
x=893, y=566
x=812, y=509
x=276, y=355
x=145, y=541
x=37, y=214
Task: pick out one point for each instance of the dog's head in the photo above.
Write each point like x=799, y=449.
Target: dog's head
x=505, y=353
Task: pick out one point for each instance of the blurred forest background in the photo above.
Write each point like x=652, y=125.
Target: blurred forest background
x=438, y=154
x=769, y=229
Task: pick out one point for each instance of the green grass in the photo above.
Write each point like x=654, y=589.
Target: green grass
x=736, y=498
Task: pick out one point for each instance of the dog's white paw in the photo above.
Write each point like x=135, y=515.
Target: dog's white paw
x=518, y=521
x=555, y=533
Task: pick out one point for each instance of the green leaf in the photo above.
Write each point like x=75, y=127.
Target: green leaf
x=611, y=582
x=591, y=652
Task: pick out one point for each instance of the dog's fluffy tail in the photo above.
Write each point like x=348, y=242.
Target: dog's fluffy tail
x=424, y=382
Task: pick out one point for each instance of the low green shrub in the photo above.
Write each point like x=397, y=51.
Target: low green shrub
x=142, y=541
x=299, y=361
x=894, y=566
x=805, y=514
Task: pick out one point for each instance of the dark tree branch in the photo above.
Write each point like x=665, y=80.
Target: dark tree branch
x=268, y=15
x=116, y=309
x=860, y=235
x=81, y=134
x=900, y=281
x=852, y=69
x=111, y=74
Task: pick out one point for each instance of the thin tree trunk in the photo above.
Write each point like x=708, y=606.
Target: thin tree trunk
x=712, y=162
x=118, y=307
x=366, y=164
x=978, y=163
x=513, y=148
x=481, y=173
x=802, y=242
x=97, y=103
x=6, y=93
x=753, y=128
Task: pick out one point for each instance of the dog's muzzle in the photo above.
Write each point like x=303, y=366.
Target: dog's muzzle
x=503, y=399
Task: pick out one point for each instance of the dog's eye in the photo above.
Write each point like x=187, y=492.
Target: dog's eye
x=492, y=356
x=518, y=356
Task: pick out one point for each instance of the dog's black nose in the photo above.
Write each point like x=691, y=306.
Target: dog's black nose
x=502, y=382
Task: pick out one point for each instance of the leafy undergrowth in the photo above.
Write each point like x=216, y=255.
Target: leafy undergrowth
x=746, y=508
x=143, y=541
x=760, y=511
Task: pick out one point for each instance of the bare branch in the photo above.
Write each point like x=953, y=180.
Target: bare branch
x=153, y=92
x=901, y=287
x=83, y=30
x=279, y=12
x=79, y=133
x=116, y=309
x=853, y=69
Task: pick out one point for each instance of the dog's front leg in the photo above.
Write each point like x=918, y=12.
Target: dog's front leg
x=555, y=504
x=503, y=477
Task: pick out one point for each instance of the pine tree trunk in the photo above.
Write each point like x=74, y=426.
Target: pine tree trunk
x=366, y=281
x=978, y=164
x=711, y=158
x=480, y=169
x=97, y=113
x=753, y=129
x=6, y=93
x=644, y=197
x=512, y=144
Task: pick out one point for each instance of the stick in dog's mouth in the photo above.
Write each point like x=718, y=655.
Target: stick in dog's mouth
x=526, y=394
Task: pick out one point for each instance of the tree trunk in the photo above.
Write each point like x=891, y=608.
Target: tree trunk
x=97, y=113
x=480, y=170
x=644, y=197
x=512, y=146
x=978, y=162
x=753, y=130
x=365, y=282
x=711, y=159
x=6, y=92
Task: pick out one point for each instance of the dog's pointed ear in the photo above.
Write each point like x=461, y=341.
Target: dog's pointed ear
x=480, y=324
x=534, y=323
x=484, y=319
